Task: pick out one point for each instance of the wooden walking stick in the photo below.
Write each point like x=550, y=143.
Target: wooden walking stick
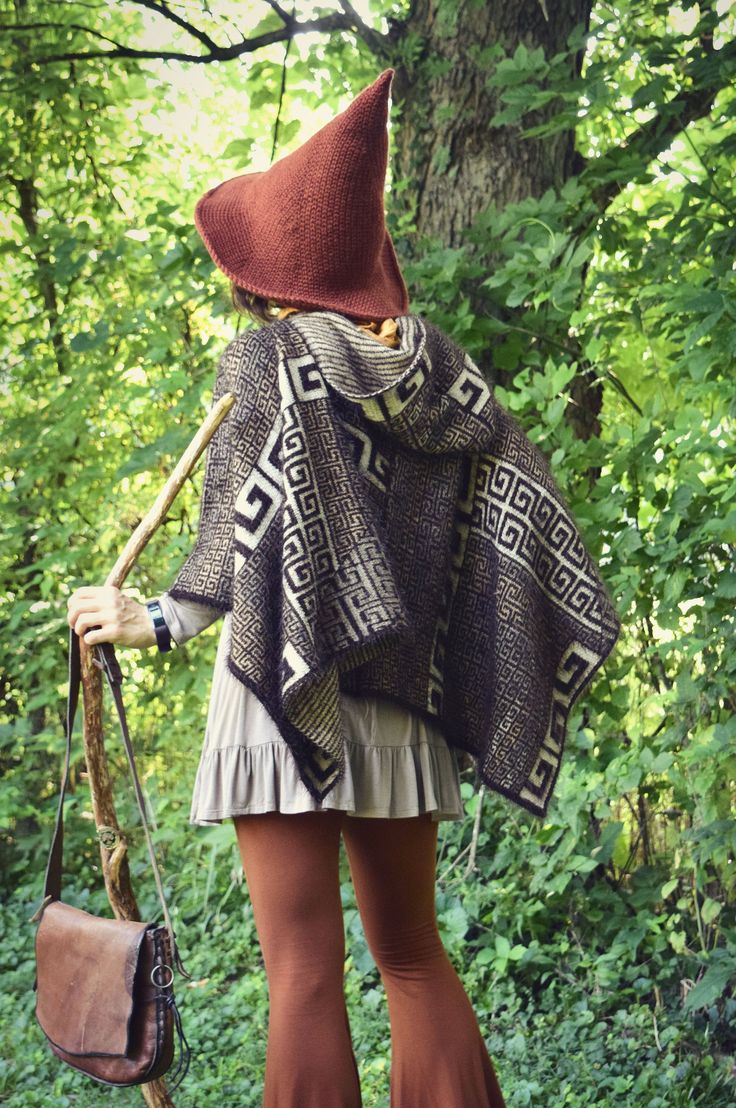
x=113, y=846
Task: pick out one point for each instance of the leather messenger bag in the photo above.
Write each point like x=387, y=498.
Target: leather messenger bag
x=104, y=987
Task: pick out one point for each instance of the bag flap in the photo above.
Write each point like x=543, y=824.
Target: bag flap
x=85, y=969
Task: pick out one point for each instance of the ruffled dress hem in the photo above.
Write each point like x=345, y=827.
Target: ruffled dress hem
x=238, y=780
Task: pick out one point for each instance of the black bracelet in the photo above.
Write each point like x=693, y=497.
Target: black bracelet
x=163, y=635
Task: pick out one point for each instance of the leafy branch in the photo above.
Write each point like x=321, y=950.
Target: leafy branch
x=347, y=19
x=709, y=73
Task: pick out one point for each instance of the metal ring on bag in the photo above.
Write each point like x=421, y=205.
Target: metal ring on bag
x=162, y=984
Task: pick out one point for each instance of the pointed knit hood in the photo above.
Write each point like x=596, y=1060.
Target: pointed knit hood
x=310, y=230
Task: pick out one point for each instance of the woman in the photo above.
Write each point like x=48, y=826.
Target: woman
x=401, y=776
x=399, y=578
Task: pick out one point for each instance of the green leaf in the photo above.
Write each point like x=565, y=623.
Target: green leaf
x=239, y=150
x=503, y=946
x=712, y=985
x=710, y=910
x=651, y=92
x=90, y=340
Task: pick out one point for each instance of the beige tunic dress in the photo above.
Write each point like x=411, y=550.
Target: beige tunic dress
x=397, y=764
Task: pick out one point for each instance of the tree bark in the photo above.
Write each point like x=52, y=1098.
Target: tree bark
x=445, y=145
x=458, y=163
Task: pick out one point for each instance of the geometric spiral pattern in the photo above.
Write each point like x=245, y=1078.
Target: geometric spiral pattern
x=378, y=524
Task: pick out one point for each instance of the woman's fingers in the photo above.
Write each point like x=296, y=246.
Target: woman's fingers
x=92, y=599
x=107, y=628
x=118, y=618
x=95, y=606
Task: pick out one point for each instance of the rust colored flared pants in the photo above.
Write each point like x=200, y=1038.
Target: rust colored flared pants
x=291, y=864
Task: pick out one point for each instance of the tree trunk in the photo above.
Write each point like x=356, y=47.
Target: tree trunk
x=457, y=162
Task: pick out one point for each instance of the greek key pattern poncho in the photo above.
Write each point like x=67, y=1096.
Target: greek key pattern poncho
x=377, y=523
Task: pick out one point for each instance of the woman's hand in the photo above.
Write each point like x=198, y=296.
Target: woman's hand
x=121, y=619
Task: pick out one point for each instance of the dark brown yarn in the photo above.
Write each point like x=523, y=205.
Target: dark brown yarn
x=378, y=524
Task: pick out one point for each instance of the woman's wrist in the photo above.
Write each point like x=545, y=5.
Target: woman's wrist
x=145, y=633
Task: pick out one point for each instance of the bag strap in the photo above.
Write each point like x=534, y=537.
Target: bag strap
x=108, y=663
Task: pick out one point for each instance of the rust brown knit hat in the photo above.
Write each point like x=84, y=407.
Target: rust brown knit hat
x=310, y=230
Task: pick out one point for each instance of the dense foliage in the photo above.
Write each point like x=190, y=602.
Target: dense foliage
x=598, y=945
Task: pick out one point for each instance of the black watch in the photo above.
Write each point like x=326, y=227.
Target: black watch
x=163, y=635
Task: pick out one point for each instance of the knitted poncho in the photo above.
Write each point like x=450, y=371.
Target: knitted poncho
x=377, y=523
